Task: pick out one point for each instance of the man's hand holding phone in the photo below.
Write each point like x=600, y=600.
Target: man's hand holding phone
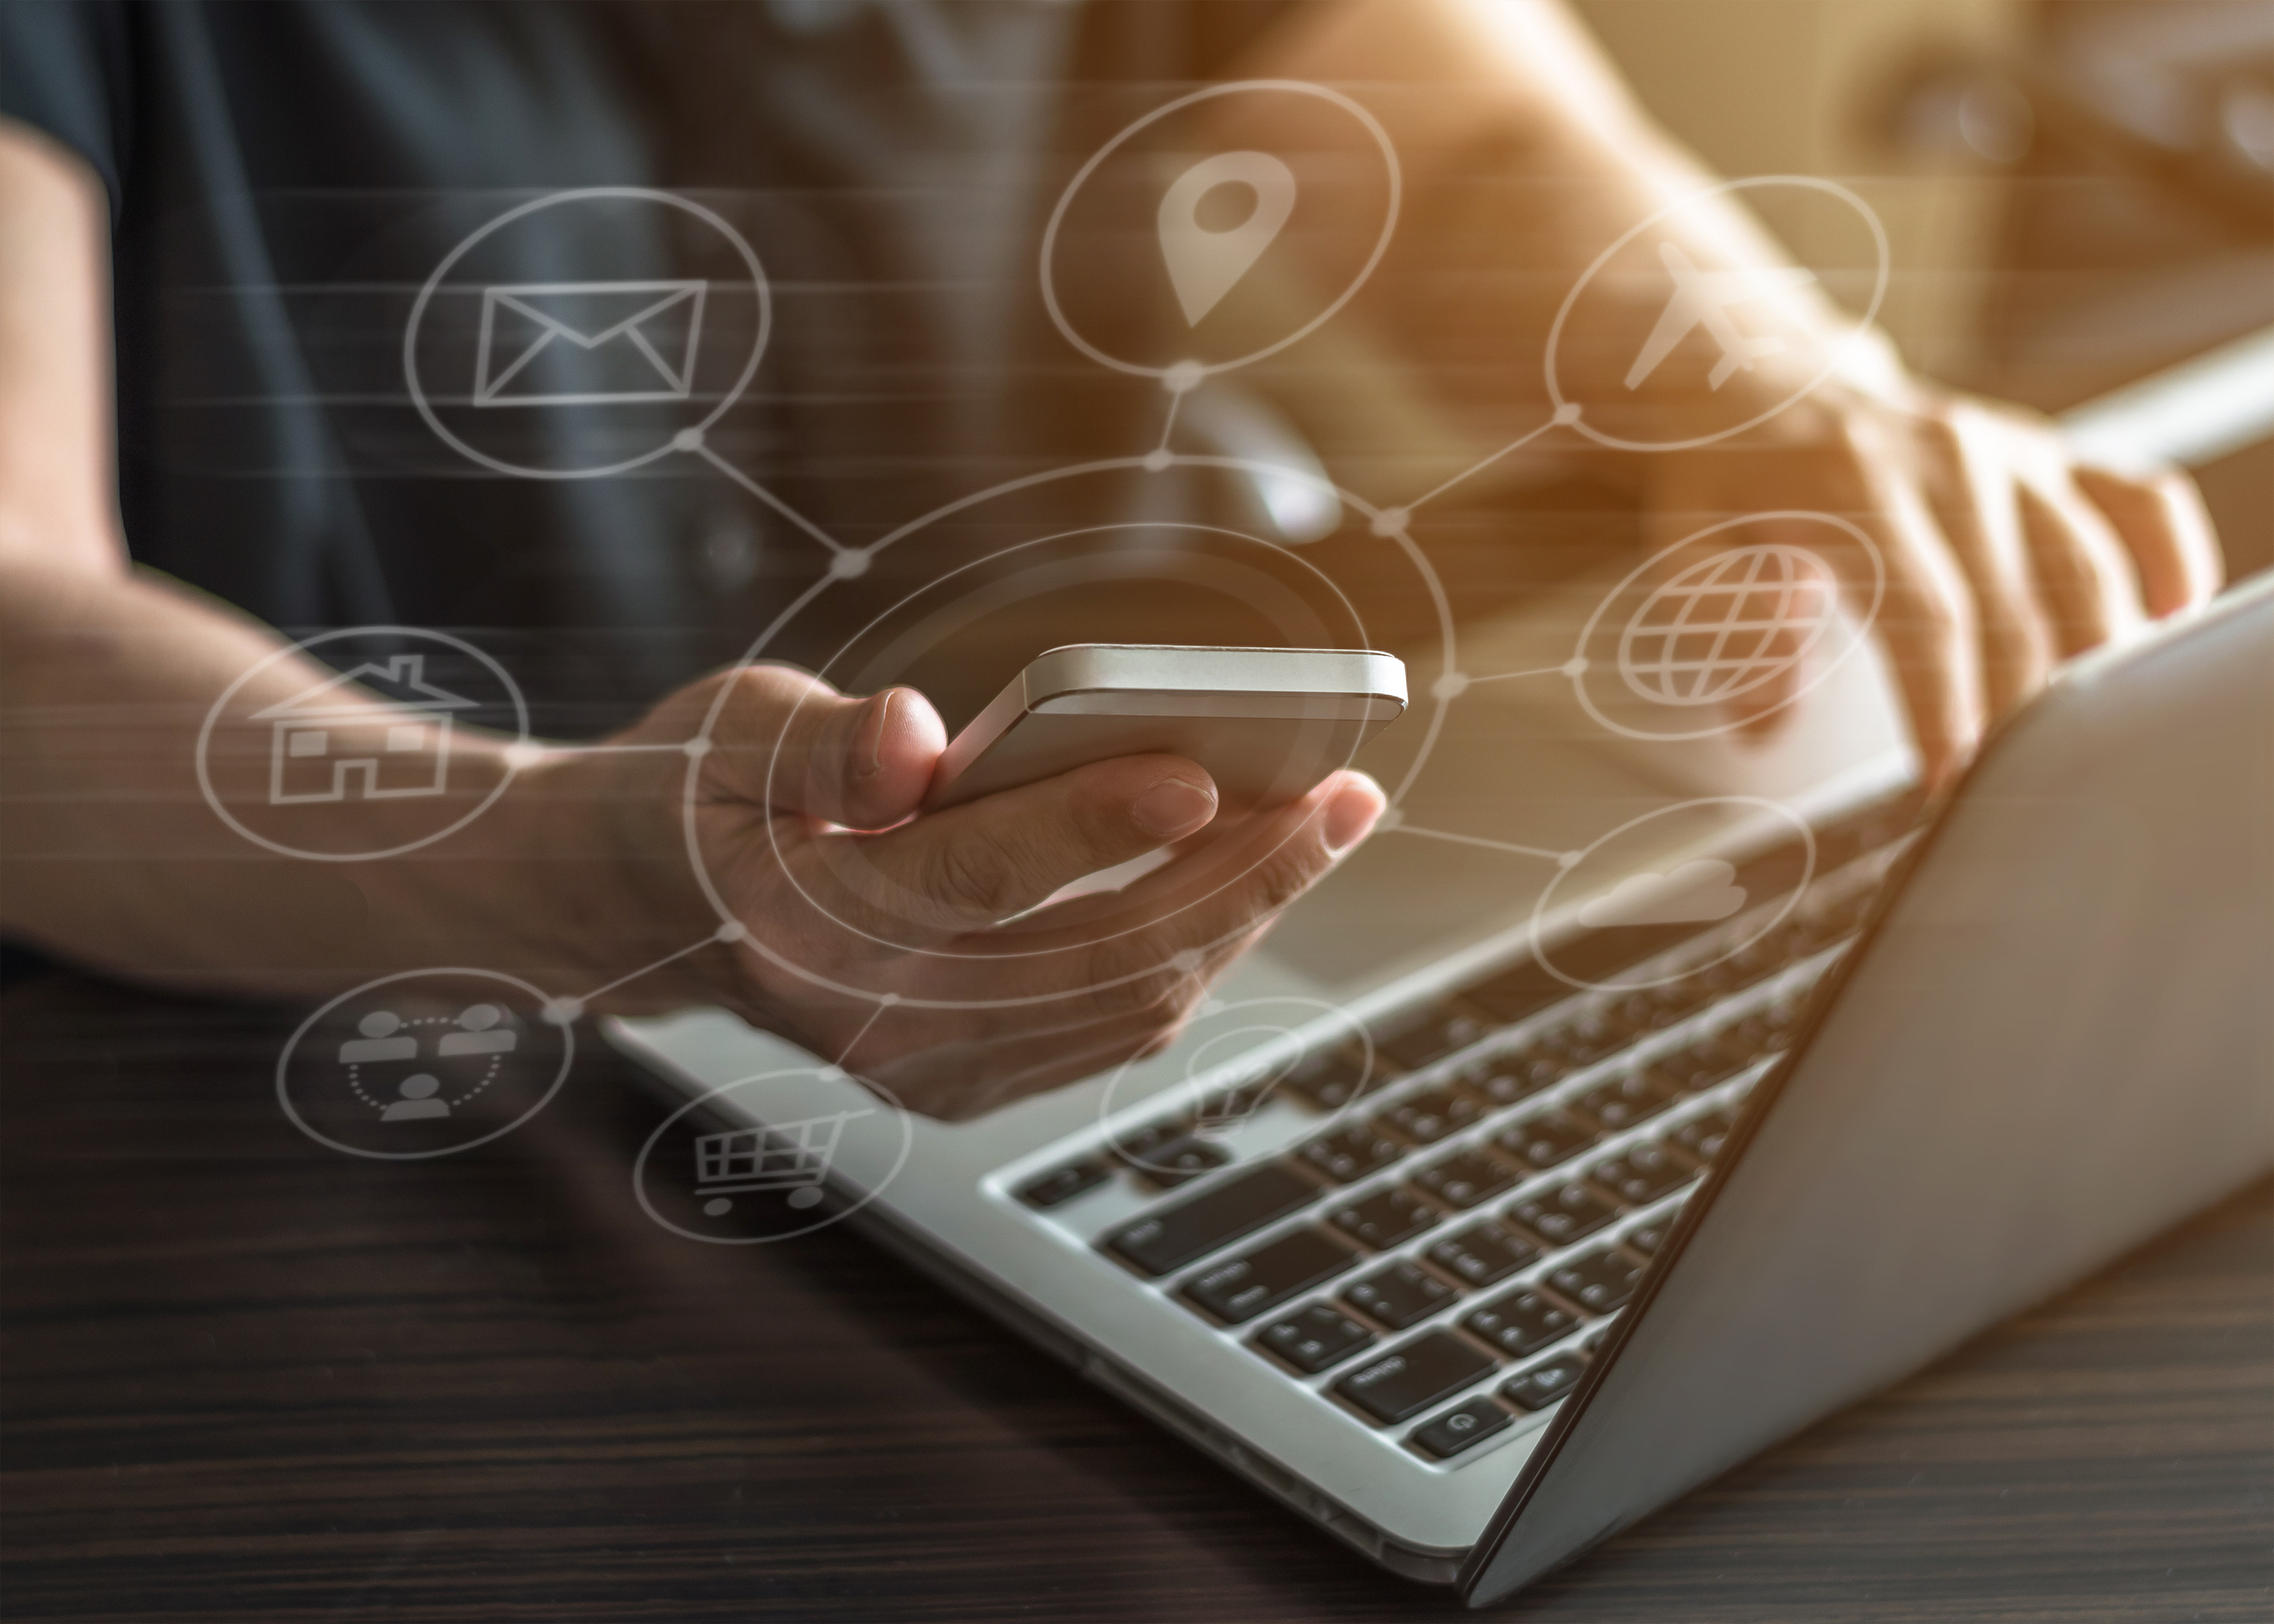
x=804, y=816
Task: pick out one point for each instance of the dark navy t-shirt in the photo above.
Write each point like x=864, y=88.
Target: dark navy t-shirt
x=285, y=177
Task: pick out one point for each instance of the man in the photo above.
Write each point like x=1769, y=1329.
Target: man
x=145, y=186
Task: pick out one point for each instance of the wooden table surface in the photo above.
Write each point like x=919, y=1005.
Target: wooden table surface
x=244, y=1377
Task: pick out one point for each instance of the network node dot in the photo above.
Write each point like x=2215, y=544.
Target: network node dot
x=1392, y=521
x=1390, y=818
x=889, y=999
x=1452, y=685
x=687, y=439
x=696, y=749
x=732, y=931
x=849, y=565
x=1183, y=377
x=1576, y=666
x=1158, y=461
x=562, y=1012
x=521, y=757
x=1569, y=860
x=1568, y=413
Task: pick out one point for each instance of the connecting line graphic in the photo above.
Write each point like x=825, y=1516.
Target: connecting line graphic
x=1569, y=668
x=563, y=1010
x=1564, y=414
x=1169, y=423
x=850, y=560
x=527, y=754
x=1401, y=827
x=845, y=1055
x=678, y=747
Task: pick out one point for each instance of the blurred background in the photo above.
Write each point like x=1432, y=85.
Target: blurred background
x=2078, y=191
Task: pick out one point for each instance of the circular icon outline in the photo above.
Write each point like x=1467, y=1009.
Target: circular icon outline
x=1792, y=897
x=825, y=1073
x=1194, y=371
x=213, y=717
x=1386, y=526
x=773, y=759
x=645, y=194
x=1584, y=666
x=284, y=1060
x=1632, y=667
x=1576, y=411
x=1277, y=1074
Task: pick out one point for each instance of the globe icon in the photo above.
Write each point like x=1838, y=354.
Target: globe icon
x=1728, y=625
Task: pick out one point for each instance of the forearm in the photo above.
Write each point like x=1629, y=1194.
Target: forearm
x=112, y=855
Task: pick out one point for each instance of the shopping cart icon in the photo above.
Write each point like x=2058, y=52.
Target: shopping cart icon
x=790, y=1156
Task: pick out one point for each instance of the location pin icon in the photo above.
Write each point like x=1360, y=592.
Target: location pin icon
x=1205, y=265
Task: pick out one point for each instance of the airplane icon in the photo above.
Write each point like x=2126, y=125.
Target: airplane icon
x=1702, y=299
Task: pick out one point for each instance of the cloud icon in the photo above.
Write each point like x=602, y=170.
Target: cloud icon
x=1695, y=893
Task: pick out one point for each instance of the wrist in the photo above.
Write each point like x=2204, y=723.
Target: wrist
x=606, y=886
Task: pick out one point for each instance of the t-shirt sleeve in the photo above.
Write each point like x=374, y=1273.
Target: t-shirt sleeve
x=65, y=68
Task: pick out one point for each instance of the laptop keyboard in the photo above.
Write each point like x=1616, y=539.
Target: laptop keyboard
x=1440, y=1258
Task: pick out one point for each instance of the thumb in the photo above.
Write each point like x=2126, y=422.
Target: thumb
x=789, y=741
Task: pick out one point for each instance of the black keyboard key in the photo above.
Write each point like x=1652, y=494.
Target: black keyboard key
x=1452, y=1025
x=1459, y=1427
x=1703, y=1065
x=1141, y=1144
x=1643, y=1012
x=1332, y=1078
x=1505, y=1079
x=1228, y=1111
x=1350, y=1155
x=1431, y=1115
x=1624, y=1100
x=1382, y=1220
x=1312, y=1339
x=1545, y=1382
x=1245, y=1287
x=1591, y=1034
x=1649, y=1237
x=1466, y=1180
x=1483, y=1254
x=1562, y=1216
x=1703, y=1137
x=1781, y=1021
x=1399, y=1385
x=1399, y=1295
x=1599, y=1282
x=1180, y=1161
x=1768, y=1031
x=1169, y=1239
x=1546, y=1140
x=1056, y=1188
x=1645, y=1173
x=1523, y=1321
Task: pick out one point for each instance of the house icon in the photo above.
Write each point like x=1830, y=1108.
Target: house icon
x=330, y=743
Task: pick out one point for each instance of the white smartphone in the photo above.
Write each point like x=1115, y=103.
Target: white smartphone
x=1267, y=724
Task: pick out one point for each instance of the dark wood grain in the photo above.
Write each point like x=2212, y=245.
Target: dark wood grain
x=244, y=1378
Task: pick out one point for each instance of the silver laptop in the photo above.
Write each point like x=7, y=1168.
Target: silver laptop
x=1475, y=1221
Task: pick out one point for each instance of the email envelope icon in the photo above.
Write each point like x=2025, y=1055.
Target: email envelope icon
x=588, y=344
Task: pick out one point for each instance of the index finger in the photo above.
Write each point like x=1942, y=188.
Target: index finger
x=974, y=865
